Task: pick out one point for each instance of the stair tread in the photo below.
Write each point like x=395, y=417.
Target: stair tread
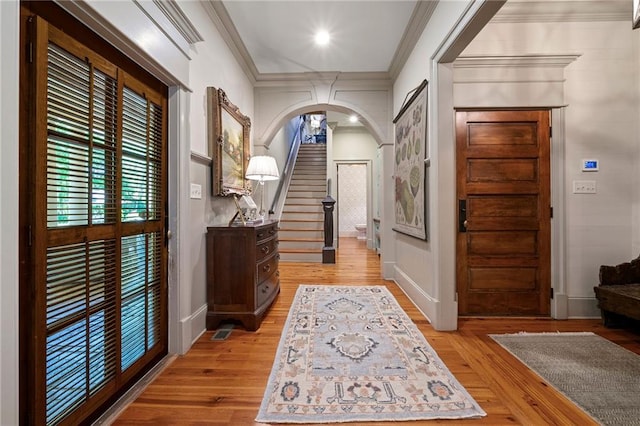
x=300, y=239
x=299, y=250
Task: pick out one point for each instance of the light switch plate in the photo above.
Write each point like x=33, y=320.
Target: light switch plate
x=584, y=186
x=196, y=191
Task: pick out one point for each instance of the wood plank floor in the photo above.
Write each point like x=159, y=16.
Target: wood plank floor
x=222, y=382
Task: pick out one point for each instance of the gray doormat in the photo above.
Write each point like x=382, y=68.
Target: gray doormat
x=597, y=375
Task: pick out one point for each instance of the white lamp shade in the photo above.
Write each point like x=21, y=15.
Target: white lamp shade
x=262, y=168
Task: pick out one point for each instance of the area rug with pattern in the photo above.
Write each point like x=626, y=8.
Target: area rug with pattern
x=597, y=375
x=350, y=353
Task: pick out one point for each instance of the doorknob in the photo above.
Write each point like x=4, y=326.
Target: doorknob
x=462, y=216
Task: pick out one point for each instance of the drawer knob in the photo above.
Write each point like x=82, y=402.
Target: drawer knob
x=265, y=249
x=266, y=268
x=265, y=289
x=272, y=231
x=260, y=234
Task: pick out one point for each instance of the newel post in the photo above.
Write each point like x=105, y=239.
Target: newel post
x=328, y=251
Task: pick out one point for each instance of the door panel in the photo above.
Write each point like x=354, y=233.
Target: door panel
x=502, y=278
x=503, y=244
x=488, y=170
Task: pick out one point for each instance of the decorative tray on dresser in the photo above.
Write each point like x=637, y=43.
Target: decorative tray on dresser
x=242, y=273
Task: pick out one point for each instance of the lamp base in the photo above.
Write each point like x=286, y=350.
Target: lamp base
x=261, y=211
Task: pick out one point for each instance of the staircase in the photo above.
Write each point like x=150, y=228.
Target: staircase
x=301, y=231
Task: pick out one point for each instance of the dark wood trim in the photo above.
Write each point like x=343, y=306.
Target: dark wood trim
x=25, y=215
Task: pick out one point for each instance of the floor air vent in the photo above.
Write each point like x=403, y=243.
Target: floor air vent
x=222, y=332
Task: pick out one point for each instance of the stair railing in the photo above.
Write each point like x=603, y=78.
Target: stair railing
x=285, y=179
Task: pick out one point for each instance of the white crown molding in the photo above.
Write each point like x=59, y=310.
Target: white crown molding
x=417, y=23
x=563, y=11
x=179, y=20
x=489, y=61
x=221, y=19
x=267, y=78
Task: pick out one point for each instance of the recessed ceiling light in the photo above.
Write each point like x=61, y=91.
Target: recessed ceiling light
x=322, y=38
x=353, y=118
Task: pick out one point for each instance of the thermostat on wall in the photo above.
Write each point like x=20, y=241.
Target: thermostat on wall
x=590, y=165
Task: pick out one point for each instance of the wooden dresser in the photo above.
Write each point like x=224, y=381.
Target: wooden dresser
x=242, y=273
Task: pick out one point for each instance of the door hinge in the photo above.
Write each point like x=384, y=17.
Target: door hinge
x=551, y=212
x=550, y=131
x=552, y=292
x=29, y=236
x=29, y=46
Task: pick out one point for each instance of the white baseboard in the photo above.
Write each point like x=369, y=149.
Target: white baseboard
x=560, y=306
x=441, y=315
x=388, y=269
x=192, y=327
x=425, y=304
x=583, y=307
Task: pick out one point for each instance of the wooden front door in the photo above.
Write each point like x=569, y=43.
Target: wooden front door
x=503, y=193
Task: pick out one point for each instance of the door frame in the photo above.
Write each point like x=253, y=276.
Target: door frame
x=369, y=195
x=560, y=300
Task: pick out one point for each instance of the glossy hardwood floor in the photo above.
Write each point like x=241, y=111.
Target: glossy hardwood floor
x=222, y=382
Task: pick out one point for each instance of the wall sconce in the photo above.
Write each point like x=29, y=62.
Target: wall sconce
x=262, y=168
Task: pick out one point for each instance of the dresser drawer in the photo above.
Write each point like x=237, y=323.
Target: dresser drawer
x=266, y=289
x=267, y=267
x=266, y=248
x=266, y=232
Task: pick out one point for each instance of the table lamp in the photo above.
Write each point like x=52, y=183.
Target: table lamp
x=262, y=168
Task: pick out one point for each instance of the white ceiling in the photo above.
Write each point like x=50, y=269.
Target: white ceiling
x=278, y=35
